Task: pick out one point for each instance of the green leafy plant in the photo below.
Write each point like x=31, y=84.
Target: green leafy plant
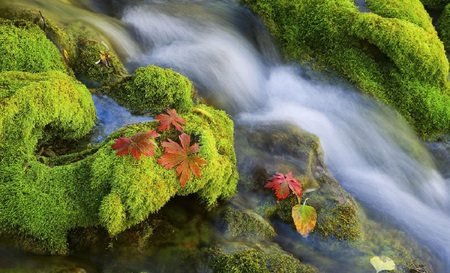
x=184, y=156
x=304, y=216
x=140, y=143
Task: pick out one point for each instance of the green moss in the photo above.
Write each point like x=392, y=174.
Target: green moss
x=247, y=224
x=407, y=10
x=434, y=3
x=24, y=47
x=90, y=47
x=380, y=52
x=255, y=260
x=103, y=189
x=153, y=89
x=443, y=27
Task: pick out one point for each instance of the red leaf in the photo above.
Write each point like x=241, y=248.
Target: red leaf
x=281, y=185
x=183, y=156
x=172, y=118
x=140, y=143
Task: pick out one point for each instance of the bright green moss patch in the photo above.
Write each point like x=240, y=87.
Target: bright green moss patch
x=45, y=200
x=24, y=47
x=152, y=89
x=392, y=53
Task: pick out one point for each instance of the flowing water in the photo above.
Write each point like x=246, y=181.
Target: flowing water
x=233, y=65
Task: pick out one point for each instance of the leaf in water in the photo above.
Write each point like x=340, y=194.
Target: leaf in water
x=305, y=218
x=140, y=143
x=281, y=185
x=183, y=156
x=171, y=119
x=382, y=263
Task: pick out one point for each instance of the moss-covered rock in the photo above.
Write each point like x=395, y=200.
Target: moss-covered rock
x=293, y=150
x=25, y=47
x=392, y=52
x=94, y=60
x=46, y=197
x=152, y=89
x=241, y=258
x=246, y=224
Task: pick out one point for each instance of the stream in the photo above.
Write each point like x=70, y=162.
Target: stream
x=228, y=55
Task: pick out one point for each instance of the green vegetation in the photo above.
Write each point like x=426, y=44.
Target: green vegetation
x=46, y=197
x=94, y=61
x=24, y=47
x=152, y=89
x=392, y=53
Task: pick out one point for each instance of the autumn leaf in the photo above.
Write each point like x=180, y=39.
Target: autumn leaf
x=171, y=119
x=183, y=156
x=140, y=143
x=281, y=184
x=305, y=218
x=382, y=263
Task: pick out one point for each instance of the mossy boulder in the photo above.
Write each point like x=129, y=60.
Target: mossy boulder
x=25, y=47
x=152, y=89
x=296, y=151
x=94, y=61
x=42, y=198
x=391, y=52
x=243, y=258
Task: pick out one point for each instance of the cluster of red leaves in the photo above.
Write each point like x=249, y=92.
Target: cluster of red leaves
x=184, y=155
x=282, y=185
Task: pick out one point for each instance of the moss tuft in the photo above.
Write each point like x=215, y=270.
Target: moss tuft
x=25, y=47
x=153, y=89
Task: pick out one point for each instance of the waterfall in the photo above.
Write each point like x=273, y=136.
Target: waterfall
x=372, y=152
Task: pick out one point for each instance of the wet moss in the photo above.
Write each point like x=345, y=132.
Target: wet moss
x=247, y=224
x=392, y=53
x=25, y=47
x=94, y=61
x=153, y=89
x=252, y=260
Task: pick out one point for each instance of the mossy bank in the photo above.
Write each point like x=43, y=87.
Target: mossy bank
x=389, y=51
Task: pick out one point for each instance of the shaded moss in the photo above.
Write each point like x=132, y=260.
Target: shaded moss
x=443, y=27
x=387, y=53
x=153, y=89
x=247, y=224
x=252, y=260
x=25, y=47
x=87, y=62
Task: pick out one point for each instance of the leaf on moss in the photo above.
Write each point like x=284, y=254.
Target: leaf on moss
x=305, y=218
x=172, y=118
x=282, y=185
x=140, y=143
x=382, y=263
x=183, y=156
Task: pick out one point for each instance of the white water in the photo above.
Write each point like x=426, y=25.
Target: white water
x=371, y=151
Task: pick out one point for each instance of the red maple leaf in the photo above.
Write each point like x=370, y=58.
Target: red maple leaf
x=140, y=143
x=281, y=185
x=172, y=118
x=183, y=156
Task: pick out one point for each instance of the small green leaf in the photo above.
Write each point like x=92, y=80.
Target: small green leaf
x=382, y=263
x=305, y=218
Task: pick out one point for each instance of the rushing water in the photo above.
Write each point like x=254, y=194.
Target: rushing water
x=231, y=61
